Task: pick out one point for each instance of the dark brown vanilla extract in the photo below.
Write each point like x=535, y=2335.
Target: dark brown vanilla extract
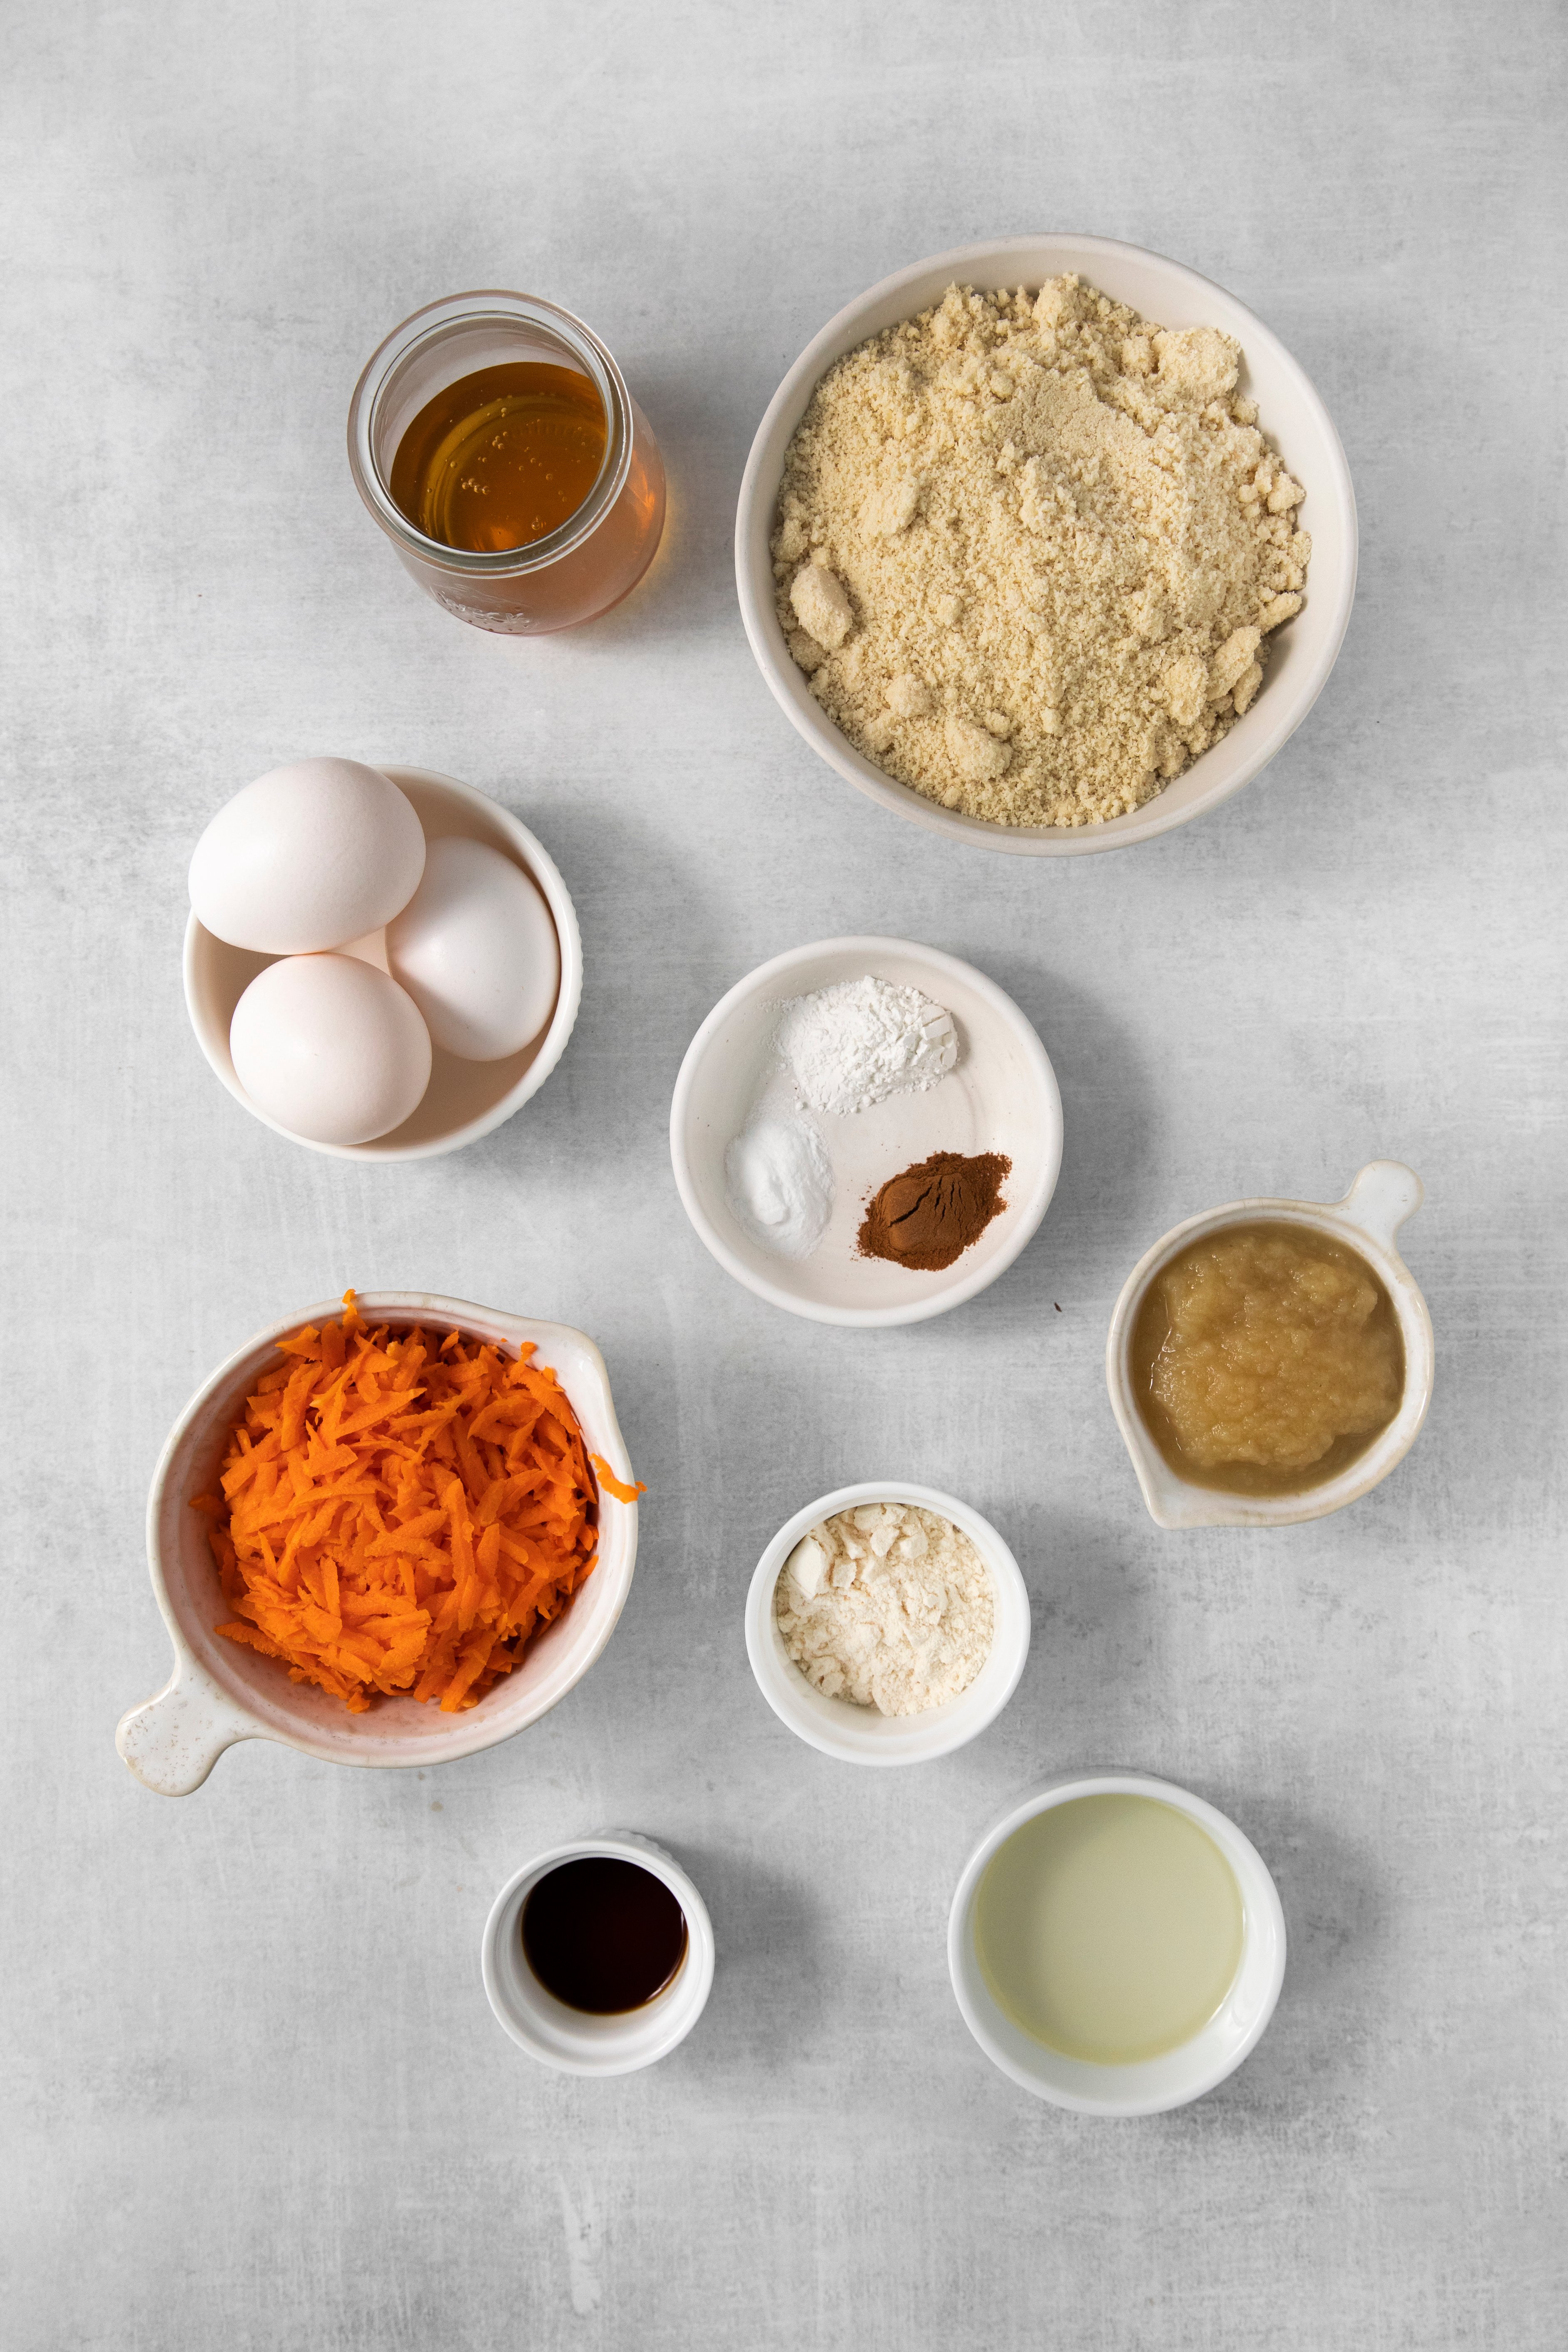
x=603, y=1935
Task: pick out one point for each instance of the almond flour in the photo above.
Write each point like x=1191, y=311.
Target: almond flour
x=1029, y=552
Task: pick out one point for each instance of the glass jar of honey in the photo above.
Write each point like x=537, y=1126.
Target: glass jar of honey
x=494, y=439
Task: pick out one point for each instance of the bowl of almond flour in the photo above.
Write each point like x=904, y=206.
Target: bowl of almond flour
x=1048, y=545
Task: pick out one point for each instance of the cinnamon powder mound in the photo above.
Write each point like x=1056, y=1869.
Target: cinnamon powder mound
x=928, y=1216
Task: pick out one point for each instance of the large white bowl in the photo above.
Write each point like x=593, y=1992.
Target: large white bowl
x=1289, y=413
x=571, y=2040
x=463, y=1100
x=1001, y=1097
x=219, y=1692
x=1366, y=1221
x=862, y=1734
x=1155, y=2084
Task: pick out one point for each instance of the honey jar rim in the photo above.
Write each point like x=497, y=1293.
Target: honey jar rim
x=437, y=322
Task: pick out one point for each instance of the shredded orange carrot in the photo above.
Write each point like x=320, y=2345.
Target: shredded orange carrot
x=400, y=1514
x=614, y=1485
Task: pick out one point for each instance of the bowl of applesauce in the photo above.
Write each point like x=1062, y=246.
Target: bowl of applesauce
x=1272, y=1361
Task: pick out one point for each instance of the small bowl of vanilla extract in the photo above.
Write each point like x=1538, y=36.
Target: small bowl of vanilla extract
x=598, y=1956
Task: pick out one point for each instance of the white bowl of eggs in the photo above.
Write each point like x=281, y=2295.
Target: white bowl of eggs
x=381, y=963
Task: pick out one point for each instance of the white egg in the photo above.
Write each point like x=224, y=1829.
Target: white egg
x=477, y=949
x=331, y=1047
x=308, y=857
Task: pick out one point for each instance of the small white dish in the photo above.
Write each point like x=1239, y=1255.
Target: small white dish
x=572, y=2040
x=862, y=1735
x=1290, y=414
x=1001, y=1097
x=1377, y=1203
x=220, y=1693
x=463, y=1100
x=1154, y=2084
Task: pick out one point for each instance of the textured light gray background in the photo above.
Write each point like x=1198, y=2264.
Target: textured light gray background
x=254, y=2095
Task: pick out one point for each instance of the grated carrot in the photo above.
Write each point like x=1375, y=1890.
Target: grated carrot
x=400, y=1516
x=614, y=1485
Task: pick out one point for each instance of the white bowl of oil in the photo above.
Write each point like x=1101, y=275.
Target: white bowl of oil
x=1116, y=1945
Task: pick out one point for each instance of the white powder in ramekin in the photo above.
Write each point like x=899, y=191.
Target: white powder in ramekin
x=887, y=1606
x=778, y=1181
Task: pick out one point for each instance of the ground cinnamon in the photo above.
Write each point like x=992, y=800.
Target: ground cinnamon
x=929, y=1215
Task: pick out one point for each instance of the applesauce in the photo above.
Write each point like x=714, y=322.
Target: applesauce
x=1265, y=1358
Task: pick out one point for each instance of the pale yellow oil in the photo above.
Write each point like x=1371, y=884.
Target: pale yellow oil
x=1109, y=1929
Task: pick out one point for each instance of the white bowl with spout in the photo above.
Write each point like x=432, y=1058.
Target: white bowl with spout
x=1366, y=1221
x=219, y=1692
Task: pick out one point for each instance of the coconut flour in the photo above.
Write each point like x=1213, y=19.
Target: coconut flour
x=887, y=1606
x=1030, y=550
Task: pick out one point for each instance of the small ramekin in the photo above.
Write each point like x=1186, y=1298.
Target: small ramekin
x=1154, y=2084
x=860, y=1735
x=572, y=2040
x=1377, y=1203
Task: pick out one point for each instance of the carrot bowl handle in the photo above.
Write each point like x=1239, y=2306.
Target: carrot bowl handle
x=171, y=1742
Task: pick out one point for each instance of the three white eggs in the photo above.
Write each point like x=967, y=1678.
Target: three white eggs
x=389, y=947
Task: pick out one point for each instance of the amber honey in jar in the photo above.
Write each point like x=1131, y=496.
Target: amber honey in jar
x=493, y=440
x=502, y=457
x=1266, y=1358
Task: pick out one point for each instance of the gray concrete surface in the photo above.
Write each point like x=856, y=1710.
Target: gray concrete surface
x=253, y=2094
